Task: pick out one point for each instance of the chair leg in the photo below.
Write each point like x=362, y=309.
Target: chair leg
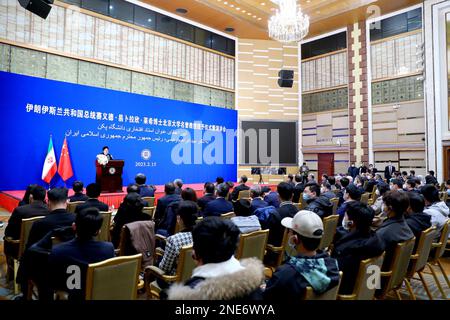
x=427, y=290
x=16, y=269
x=410, y=290
x=443, y=272
x=436, y=279
x=399, y=297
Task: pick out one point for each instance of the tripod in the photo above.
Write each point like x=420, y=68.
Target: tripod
x=261, y=181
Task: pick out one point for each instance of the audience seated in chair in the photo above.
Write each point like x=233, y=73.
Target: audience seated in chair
x=93, y=192
x=220, y=205
x=81, y=251
x=394, y=229
x=144, y=190
x=416, y=219
x=170, y=196
x=271, y=197
x=298, y=188
x=178, y=186
x=209, y=195
x=352, y=194
x=245, y=220
x=326, y=190
x=377, y=206
x=240, y=187
x=257, y=200
x=77, y=188
x=129, y=211
x=359, y=243
x=186, y=217
x=315, y=202
x=219, y=275
x=435, y=208
x=310, y=268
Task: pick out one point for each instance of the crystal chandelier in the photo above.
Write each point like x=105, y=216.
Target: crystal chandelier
x=289, y=24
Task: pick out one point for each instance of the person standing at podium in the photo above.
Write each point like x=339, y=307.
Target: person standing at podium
x=106, y=153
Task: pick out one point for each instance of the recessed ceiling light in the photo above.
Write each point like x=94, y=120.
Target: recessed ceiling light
x=254, y=17
x=259, y=18
x=111, y=7
x=149, y=20
x=237, y=8
x=181, y=10
x=263, y=3
x=229, y=29
x=249, y=14
x=232, y=5
x=243, y=11
x=308, y=1
x=225, y=2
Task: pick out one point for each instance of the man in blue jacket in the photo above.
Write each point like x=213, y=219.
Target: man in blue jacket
x=220, y=205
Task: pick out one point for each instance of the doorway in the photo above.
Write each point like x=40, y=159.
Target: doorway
x=325, y=164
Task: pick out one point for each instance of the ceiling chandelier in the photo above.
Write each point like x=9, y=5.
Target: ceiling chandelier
x=289, y=24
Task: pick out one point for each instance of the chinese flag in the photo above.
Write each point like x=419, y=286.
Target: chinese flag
x=65, y=166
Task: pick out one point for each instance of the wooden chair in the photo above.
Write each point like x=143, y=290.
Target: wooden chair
x=436, y=255
x=25, y=229
x=185, y=266
x=150, y=211
x=373, y=196
x=329, y=229
x=328, y=295
x=114, y=279
x=150, y=201
x=252, y=245
x=443, y=196
x=105, y=234
x=279, y=251
x=335, y=202
x=227, y=215
x=365, y=198
x=398, y=269
x=419, y=261
x=361, y=291
x=297, y=205
x=71, y=206
x=244, y=194
x=442, y=186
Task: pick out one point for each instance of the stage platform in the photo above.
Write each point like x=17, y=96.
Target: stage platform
x=10, y=199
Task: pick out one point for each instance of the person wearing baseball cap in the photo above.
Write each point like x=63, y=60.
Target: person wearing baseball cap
x=310, y=268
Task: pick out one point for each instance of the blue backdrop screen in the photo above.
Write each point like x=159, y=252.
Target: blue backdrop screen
x=164, y=139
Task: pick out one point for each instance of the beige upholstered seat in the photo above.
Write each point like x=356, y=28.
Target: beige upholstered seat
x=279, y=251
x=252, y=245
x=105, y=234
x=150, y=211
x=335, y=202
x=227, y=215
x=328, y=295
x=365, y=198
x=150, y=201
x=244, y=194
x=71, y=206
x=329, y=230
x=114, y=279
x=361, y=291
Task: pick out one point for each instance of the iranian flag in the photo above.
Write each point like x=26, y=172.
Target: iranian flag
x=50, y=168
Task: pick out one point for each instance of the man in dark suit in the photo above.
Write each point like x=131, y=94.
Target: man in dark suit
x=362, y=169
x=271, y=197
x=257, y=200
x=220, y=205
x=57, y=218
x=298, y=188
x=37, y=207
x=77, y=187
x=389, y=171
x=169, y=190
x=93, y=192
x=209, y=189
x=240, y=187
x=178, y=186
x=105, y=151
x=81, y=251
x=352, y=171
x=143, y=189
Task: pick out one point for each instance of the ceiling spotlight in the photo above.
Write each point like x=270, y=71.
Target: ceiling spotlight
x=181, y=10
x=237, y=8
x=249, y=14
x=254, y=17
x=259, y=19
x=232, y=5
x=229, y=29
x=263, y=3
x=225, y=2
x=243, y=11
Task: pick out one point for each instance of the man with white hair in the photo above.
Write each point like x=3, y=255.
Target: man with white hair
x=257, y=200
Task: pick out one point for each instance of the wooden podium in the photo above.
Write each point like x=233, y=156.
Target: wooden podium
x=109, y=176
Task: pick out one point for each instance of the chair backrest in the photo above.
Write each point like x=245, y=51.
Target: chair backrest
x=328, y=295
x=329, y=229
x=244, y=194
x=71, y=206
x=114, y=279
x=442, y=187
x=105, y=234
x=336, y=191
x=252, y=245
x=150, y=211
x=440, y=248
x=365, y=198
x=25, y=229
x=422, y=251
x=361, y=290
x=185, y=264
x=365, y=184
x=297, y=205
x=227, y=215
x=150, y=201
x=335, y=202
x=400, y=263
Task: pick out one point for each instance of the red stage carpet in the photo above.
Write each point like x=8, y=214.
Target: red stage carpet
x=10, y=199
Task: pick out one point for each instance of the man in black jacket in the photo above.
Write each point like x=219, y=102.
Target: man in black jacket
x=257, y=200
x=169, y=190
x=389, y=171
x=298, y=188
x=220, y=205
x=352, y=171
x=316, y=203
x=357, y=244
x=415, y=218
x=57, y=218
x=310, y=268
x=93, y=192
x=77, y=187
x=209, y=196
x=240, y=187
